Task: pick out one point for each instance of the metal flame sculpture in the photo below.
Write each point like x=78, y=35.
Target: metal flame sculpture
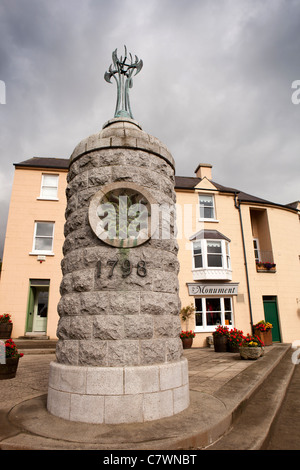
x=122, y=72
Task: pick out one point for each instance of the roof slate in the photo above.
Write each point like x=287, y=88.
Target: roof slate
x=181, y=182
x=44, y=162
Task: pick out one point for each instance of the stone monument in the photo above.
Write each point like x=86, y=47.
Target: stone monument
x=119, y=354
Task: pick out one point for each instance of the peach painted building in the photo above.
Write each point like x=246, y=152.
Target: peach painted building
x=239, y=255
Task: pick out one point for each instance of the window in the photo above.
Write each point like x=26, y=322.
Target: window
x=228, y=263
x=214, y=254
x=198, y=255
x=212, y=312
x=43, y=238
x=207, y=208
x=256, y=250
x=49, y=187
x=211, y=254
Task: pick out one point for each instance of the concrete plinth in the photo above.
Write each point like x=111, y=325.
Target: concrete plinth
x=112, y=395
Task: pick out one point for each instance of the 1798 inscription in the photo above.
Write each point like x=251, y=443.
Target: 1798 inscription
x=125, y=265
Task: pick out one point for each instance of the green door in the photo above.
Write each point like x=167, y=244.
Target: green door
x=271, y=316
x=37, y=307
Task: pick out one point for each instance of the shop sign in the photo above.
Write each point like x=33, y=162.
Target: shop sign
x=213, y=289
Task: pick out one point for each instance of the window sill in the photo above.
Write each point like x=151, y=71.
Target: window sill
x=209, y=329
x=41, y=253
x=208, y=220
x=47, y=199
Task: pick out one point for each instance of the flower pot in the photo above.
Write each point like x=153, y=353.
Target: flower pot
x=233, y=348
x=263, y=269
x=264, y=336
x=220, y=343
x=5, y=330
x=9, y=369
x=187, y=342
x=251, y=353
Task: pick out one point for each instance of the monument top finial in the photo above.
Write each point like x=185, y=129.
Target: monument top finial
x=122, y=72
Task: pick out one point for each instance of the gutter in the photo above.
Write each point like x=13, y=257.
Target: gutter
x=237, y=206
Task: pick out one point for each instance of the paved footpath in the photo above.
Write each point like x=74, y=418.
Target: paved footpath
x=31, y=380
x=219, y=384
x=208, y=371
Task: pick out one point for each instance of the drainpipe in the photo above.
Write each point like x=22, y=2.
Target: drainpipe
x=237, y=206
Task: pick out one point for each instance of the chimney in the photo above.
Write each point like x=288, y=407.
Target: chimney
x=204, y=169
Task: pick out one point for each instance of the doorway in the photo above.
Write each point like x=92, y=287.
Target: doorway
x=271, y=315
x=37, y=312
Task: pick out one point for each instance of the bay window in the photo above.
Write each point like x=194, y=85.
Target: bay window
x=211, y=254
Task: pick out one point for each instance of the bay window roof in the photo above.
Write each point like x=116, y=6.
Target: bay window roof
x=209, y=235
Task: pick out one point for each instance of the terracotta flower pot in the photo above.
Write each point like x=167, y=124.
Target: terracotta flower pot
x=187, y=342
x=220, y=343
x=264, y=336
x=9, y=369
x=5, y=330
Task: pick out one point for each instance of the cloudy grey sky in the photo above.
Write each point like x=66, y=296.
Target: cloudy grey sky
x=215, y=86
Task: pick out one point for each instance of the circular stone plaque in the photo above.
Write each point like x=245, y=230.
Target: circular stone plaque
x=120, y=215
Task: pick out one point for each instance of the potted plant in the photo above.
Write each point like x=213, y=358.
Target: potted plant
x=263, y=330
x=186, y=313
x=5, y=326
x=187, y=339
x=261, y=266
x=234, y=340
x=251, y=348
x=8, y=370
x=220, y=336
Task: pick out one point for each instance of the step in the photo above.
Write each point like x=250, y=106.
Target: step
x=36, y=346
x=251, y=427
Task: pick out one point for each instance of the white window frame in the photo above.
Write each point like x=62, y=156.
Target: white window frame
x=211, y=328
x=208, y=219
x=256, y=249
x=225, y=254
x=42, y=252
x=43, y=185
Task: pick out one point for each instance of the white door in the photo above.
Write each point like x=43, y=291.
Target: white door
x=40, y=310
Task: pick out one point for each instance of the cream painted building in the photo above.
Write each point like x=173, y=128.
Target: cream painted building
x=239, y=255
x=31, y=273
